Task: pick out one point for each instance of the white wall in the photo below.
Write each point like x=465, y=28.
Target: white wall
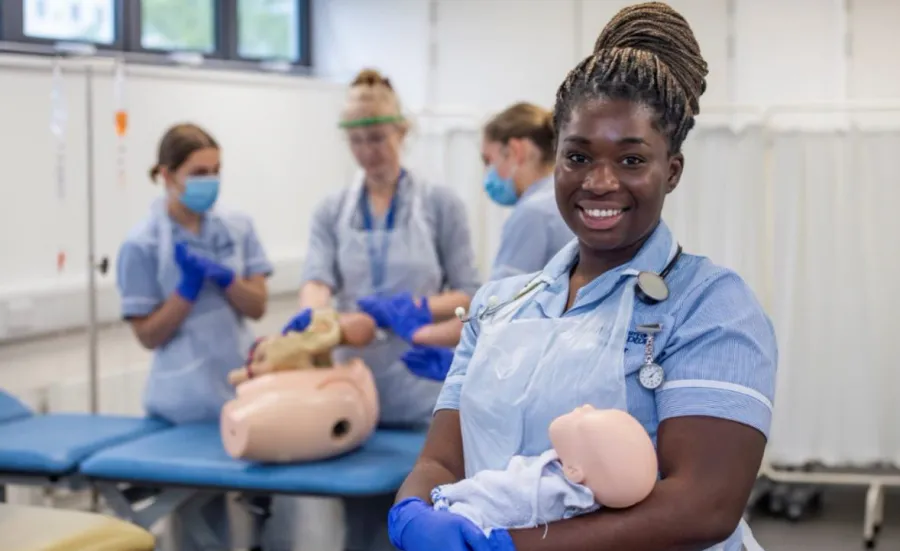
x=489, y=53
x=281, y=153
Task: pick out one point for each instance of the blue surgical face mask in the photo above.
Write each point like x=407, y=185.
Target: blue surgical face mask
x=501, y=190
x=200, y=193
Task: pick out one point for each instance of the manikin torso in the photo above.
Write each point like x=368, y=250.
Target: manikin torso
x=292, y=404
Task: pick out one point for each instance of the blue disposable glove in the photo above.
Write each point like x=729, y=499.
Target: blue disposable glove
x=221, y=275
x=192, y=275
x=500, y=540
x=378, y=308
x=406, y=317
x=413, y=525
x=398, y=313
x=298, y=323
x=430, y=362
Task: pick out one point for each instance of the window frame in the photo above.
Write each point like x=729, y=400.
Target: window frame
x=132, y=33
x=304, y=43
x=127, y=39
x=12, y=27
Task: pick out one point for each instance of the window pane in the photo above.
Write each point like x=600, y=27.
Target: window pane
x=76, y=20
x=269, y=29
x=184, y=25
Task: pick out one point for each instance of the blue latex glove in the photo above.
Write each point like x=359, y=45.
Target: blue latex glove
x=192, y=275
x=399, y=313
x=378, y=308
x=413, y=525
x=299, y=322
x=500, y=540
x=221, y=275
x=406, y=317
x=430, y=362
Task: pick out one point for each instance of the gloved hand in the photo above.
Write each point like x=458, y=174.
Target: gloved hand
x=221, y=275
x=500, y=540
x=430, y=362
x=398, y=313
x=378, y=308
x=407, y=317
x=299, y=322
x=192, y=275
x=413, y=525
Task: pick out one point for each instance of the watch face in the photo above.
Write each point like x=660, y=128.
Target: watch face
x=653, y=286
x=651, y=376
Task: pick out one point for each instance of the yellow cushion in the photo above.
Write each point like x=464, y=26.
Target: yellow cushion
x=42, y=529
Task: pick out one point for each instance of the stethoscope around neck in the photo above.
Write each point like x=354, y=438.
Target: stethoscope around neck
x=650, y=288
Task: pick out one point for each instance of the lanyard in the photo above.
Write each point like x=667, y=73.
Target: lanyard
x=378, y=258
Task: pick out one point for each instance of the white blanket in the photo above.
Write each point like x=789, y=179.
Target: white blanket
x=530, y=492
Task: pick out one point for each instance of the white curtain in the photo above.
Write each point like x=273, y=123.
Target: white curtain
x=835, y=263
x=718, y=209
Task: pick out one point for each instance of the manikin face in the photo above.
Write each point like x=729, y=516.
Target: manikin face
x=565, y=436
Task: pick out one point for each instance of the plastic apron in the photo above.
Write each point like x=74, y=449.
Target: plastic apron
x=526, y=372
x=411, y=265
x=188, y=377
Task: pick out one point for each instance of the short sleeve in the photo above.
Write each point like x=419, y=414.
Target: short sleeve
x=321, y=254
x=524, y=244
x=722, y=358
x=139, y=290
x=255, y=260
x=450, y=392
x=454, y=241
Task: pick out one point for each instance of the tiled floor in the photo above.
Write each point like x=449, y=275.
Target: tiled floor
x=27, y=365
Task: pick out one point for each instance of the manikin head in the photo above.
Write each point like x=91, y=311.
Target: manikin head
x=608, y=451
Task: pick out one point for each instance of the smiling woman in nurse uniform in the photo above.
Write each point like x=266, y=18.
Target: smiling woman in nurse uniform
x=702, y=387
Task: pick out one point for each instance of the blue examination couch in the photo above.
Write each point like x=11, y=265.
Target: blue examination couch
x=185, y=464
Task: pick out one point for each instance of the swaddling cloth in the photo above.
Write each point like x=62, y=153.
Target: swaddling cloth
x=531, y=491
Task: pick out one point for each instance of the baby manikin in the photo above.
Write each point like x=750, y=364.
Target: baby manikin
x=600, y=458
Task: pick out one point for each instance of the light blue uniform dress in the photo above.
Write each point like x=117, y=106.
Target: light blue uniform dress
x=188, y=376
x=528, y=362
x=533, y=233
x=428, y=250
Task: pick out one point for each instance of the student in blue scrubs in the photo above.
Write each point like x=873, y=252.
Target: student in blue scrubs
x=565, y=335
x=189, y=275
x=387, y=234
x=518, y=148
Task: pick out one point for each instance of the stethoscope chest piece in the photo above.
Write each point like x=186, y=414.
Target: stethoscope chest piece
x=651, y=288
x=651, y=375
